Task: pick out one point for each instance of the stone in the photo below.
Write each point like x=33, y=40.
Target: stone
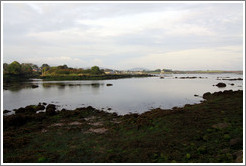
x=221, y=85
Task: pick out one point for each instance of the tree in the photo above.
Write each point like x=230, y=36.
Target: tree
x=95, y=70
x=44, y=65
x=5, y=68
x=14, y=68
x=26, y=69
x=62, y=67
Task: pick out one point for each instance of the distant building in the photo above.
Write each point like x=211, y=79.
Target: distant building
x=108, y=71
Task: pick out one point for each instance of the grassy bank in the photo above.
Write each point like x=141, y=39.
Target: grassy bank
x=208, y=132
x=92, y=77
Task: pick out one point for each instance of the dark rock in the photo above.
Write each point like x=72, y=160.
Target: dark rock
x=90, y=108
x=44, y=103
x=109, y=84
x=34, y=86
x=221, y=85
x=16, y=120
x=40, y=107
x=20, y=110
x=206, y=95
x=196, y=95
x=51, y=106
x=109, y=109
x=6, y=111
x=50, y=112
x=232, y=84
x=95, y=84
x=161, y=77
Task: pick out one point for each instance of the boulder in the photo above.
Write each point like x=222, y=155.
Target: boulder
x=51, y=106
x=221, y=85
x=6, y=111
x=34, y=86
x=109, y=84
x=50, y=112
x=206, y=95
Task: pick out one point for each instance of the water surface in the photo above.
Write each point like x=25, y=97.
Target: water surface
x=135, y=95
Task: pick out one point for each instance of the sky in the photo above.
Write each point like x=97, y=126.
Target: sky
x=178, y=36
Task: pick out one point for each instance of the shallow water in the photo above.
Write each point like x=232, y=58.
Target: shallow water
x=135, y=95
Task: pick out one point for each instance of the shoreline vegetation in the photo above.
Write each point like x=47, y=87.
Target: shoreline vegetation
x=208, y=132
x=16, y=72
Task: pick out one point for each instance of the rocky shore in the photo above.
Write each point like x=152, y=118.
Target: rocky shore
x=209, y=132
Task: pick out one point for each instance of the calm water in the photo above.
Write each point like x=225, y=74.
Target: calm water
x=126, y=95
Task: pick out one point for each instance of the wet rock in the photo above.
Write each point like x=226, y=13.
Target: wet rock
x=232, y=84
x=109, y=109
x=221, y=85
x=44, y=103
x=34, y=86
x=206, y=95
x=95, y=84
x=40, y=107
x=109, y=84
x=50, y=112
x=233, y=79
x=20, y=110
x=195, y=95
x=51, y=106
x=6, y=111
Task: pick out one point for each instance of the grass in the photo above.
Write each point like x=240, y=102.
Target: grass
x=209, y=132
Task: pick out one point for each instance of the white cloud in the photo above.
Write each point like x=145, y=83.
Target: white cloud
x=207, y=58
x=123, y=36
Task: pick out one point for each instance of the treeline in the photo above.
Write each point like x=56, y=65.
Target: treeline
x=64, y=70
x=29, y=70
x=16, y=69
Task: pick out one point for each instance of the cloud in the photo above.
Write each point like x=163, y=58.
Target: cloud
x=207, y=58
x=124, y=35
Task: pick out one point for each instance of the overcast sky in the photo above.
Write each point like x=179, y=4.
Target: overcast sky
x=178, y=36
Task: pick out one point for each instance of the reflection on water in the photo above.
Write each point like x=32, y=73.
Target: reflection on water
x=124, y=96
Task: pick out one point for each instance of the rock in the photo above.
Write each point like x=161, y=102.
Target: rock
x=6, y=111
x=232, y=84
x=206, y=95
x=40, y=107
x=34, y=86
x=95, y=84
x=51, y=106
x=109, y=84
x=50, y=112
x=221, y=85
x=20, y=110
x=195, y=95
x=44, y=103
